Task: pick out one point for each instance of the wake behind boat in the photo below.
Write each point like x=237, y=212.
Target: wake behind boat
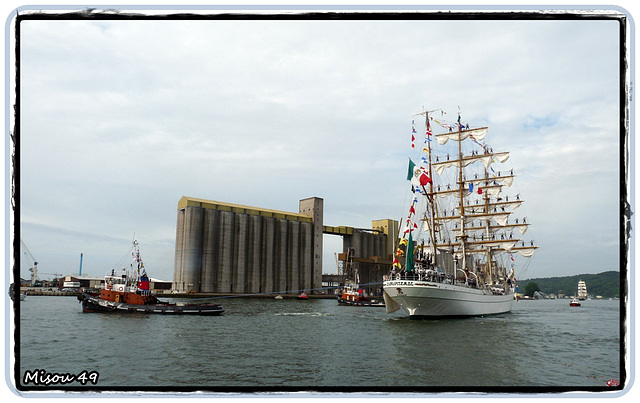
x=455, y=262
x=129, y=292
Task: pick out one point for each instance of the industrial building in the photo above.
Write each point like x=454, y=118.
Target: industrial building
x=368, y=253
x=229, y=248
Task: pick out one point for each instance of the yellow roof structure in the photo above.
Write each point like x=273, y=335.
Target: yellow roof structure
x=341, y=230
x=186, y=201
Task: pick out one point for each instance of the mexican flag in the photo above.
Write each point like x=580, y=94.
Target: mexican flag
x=412, y=166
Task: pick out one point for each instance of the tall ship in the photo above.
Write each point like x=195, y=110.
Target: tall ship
x=582, y=290
x=127, y=291
x=457, y=250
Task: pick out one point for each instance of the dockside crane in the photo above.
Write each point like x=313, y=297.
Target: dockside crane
x=34, y=269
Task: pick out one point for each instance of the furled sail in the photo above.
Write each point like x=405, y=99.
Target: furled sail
x=526, y=252
x=507, y=180
x=501, y=219
x=477, y=134
x=475, y=208
x=504, y=180
x=485, y=159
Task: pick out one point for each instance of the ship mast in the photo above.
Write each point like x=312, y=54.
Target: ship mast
x=489, y=264
x=463, y=235
x=431, y=221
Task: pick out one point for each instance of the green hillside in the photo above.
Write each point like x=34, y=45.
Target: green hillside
x=606, y=284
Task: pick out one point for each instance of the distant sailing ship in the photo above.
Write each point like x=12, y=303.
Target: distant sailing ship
x=455, y=255
x=582, y=290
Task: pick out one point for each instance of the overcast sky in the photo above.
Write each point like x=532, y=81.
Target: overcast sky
x=120, y=119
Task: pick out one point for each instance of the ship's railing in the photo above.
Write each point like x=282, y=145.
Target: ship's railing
x=469, y=280
x=426, y=275
x=466, y=280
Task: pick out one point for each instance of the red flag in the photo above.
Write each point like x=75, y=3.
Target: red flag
x=424, y=179
x=479, y=191
x=143, y=285
x=412, y=210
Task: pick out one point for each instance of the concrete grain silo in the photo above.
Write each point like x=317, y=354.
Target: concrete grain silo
x=228, y=248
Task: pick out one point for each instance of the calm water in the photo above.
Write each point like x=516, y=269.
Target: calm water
x=262, y=343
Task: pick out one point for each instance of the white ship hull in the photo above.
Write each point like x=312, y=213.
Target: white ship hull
x=434, y=299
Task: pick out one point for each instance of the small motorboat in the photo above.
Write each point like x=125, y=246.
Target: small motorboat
x=303, y=296
x=574, y=302
x=278, y=297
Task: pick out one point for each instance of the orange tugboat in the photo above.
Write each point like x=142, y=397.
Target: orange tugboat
x=355, y=296
x=129, y=292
